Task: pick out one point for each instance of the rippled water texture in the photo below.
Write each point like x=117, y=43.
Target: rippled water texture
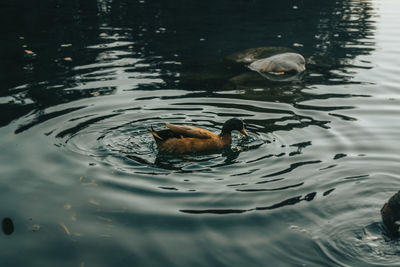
x=82, y=182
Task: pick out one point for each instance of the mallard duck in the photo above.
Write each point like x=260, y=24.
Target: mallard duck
x=185, y=139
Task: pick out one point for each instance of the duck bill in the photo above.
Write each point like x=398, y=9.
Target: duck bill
x=243, y=131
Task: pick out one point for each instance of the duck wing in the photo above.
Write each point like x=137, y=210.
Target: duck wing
x=190, y=131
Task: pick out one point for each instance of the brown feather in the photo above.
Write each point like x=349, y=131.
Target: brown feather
x=185, y=139
x=190, y=144
x=155, y=134
x=190, y=131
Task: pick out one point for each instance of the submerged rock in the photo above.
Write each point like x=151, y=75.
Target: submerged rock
x=276, y=64
x=252, y=54
x=8, y=226
x=233, y=72
x=251, y=80
x=281, y=63
x=391, y=214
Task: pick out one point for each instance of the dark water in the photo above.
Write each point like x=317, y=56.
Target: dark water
x=82, y=184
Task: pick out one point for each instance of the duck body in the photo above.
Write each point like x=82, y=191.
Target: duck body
x=184, y=139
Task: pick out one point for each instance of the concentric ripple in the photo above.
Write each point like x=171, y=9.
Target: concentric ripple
x=130, y=147
x=274, y=164
x=360, y=245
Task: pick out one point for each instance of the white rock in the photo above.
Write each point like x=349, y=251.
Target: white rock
x=285, y=62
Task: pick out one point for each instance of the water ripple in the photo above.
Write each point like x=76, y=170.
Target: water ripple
x=320, y=159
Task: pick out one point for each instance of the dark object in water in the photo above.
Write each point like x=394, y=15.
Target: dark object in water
x=8, y=226
x=391, y=214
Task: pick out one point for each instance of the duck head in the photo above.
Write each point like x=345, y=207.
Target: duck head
x=233, y=124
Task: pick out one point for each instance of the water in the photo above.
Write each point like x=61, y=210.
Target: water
x=81, y=179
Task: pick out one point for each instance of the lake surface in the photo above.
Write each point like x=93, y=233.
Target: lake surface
x=82, y=181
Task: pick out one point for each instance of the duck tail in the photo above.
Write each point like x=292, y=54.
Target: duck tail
x=154, y=133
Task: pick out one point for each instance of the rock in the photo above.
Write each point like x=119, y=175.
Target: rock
x=391, y=214
x=233, y=73
x=281, y=63
x=7, y=226
x=34, y=227
x=252, y=54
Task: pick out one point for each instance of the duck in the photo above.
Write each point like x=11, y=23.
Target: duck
x=185, y=139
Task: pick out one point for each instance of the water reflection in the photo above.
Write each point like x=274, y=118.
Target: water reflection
x=290, y=201
x=135, y=53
